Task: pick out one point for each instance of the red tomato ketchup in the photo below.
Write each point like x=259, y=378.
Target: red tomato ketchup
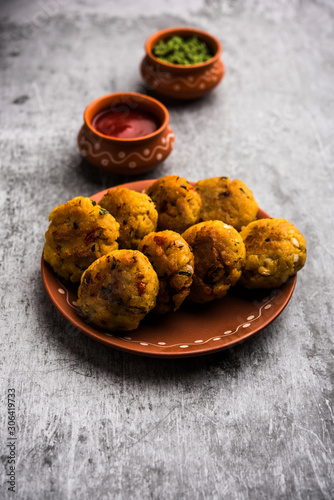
x=125, y=123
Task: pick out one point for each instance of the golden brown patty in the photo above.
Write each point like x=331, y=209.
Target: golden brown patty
x=177, y=202
x=80, y=232
x=118, y=290
x=173, y=261
x=219, y=254
x=275, y=250
x=231, y=202
x=135, y=213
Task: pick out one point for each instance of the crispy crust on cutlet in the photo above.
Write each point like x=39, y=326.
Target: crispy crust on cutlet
x=176, y=201
x=173, y=262
x=135, y=213
x=219, y=253
x=275, y=250
x=118, y=290
x=80, y=232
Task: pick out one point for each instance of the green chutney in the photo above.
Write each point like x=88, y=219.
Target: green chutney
x=178, y=50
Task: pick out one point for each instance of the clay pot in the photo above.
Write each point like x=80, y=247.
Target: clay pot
x=130, y=156
x=182, y=81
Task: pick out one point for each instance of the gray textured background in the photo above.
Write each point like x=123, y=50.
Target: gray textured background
x=253, y=422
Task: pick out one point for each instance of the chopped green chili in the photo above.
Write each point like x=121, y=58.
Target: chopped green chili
x=103, y=211
x=186, y=273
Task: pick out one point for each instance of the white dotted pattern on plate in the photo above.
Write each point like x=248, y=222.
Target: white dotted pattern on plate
x=266, y=304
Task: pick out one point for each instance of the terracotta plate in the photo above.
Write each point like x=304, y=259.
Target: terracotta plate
x=192, y=331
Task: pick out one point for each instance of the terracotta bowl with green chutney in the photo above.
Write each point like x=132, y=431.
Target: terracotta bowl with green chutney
x=182, y=63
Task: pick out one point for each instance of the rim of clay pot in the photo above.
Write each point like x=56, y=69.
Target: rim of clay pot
x=144, y=102
x=209, y=39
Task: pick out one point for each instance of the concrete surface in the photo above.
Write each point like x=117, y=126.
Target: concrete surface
x=253, y=422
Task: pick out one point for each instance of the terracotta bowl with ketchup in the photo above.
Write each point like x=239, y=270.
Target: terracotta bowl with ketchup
x=126, y=133
x=182, y=81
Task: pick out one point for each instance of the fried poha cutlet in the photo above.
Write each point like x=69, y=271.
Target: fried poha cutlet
x=176, y=201
x=229, y=201
x=118, y=290
x=135, y=213
x=219, y=253
x=275, y=250
x=80, y=232
x=173, y=261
